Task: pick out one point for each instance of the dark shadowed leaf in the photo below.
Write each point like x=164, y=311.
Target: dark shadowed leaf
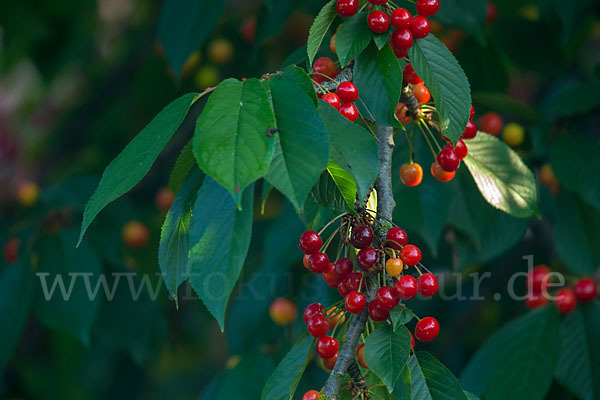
x=219, y=240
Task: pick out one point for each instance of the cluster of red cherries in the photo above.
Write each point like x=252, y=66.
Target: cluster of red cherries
x=350, y=283
x=406, y=27
x=584, y=290
x=449, y=157
x=346, y=93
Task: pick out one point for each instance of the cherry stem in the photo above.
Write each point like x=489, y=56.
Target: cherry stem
x=329, y=223
x=428, y=143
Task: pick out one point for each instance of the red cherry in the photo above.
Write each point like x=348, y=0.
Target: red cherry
x=346, y=8
x=585, y=290
x=470, y=131
x=361, y=237
x=412, y=341
x=318, y=262
x=366, y=258
x=420, y=27
x=378, y=21
x=325, y=66
x=410, y=76
x=538, y=279
x=439, y=174
x=472, y=115
x=311, y=395
x=428, y=285
x=491, y=123
x=410, y=255
x=421, y=93
x=331, y=276
x=377, y=312
x=343, y=286
x=355, y=302
x=401, y=18
x=460, y=149
x=378, y=2
x=349, y=111
x=355, y=281
x=491, y=12
x=565, y=301
x=427, y=7
x=427, y=329
x=332, y=99
x=329, y=363
x=11, y=250
x=387, y=297
x=344, y=266
x=347, y=92
x=533, y=301
x=317, y=325
x=312, y=309
x=402, y=38
x=399, y=53
x=406, y=286
x=310, y=242
x=448, y=160
x=396, y=238
x=360, y=354
x=327, y=347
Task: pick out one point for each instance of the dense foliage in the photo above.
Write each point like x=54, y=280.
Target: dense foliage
x=254, y=160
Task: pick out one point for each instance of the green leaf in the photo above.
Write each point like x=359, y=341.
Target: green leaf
x=501, y=103
x=231, y=142
x=467, y=15
x=575, y=161
x=490, y=231
x=184, y=164
x=471, y=396
x=125, y=171
x=576, y=234
x=283, y=382
x=16, y=286
x=67, y=307
x=335, y=194
x=319, y=29
x=519, y=360
x=301, y=146
x=447, y=82
x=245, y=381
x=298, y=76
x=501, y=176
x=578, y=370
x=386, y=353
x=352, y=148
x=403, y=388
x=353, y=38
x=381, y=39
x=401, y=316
x=174, y=247
x=378, y=76
x=576, y=100
x=219, y=239
x=431, y=380
x=184, y=25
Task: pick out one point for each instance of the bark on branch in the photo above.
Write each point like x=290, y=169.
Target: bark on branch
x=385, y=206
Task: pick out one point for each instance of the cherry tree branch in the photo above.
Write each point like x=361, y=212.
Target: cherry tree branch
x=385, y=206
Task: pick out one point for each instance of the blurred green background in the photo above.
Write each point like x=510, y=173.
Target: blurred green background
x=79, y=79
